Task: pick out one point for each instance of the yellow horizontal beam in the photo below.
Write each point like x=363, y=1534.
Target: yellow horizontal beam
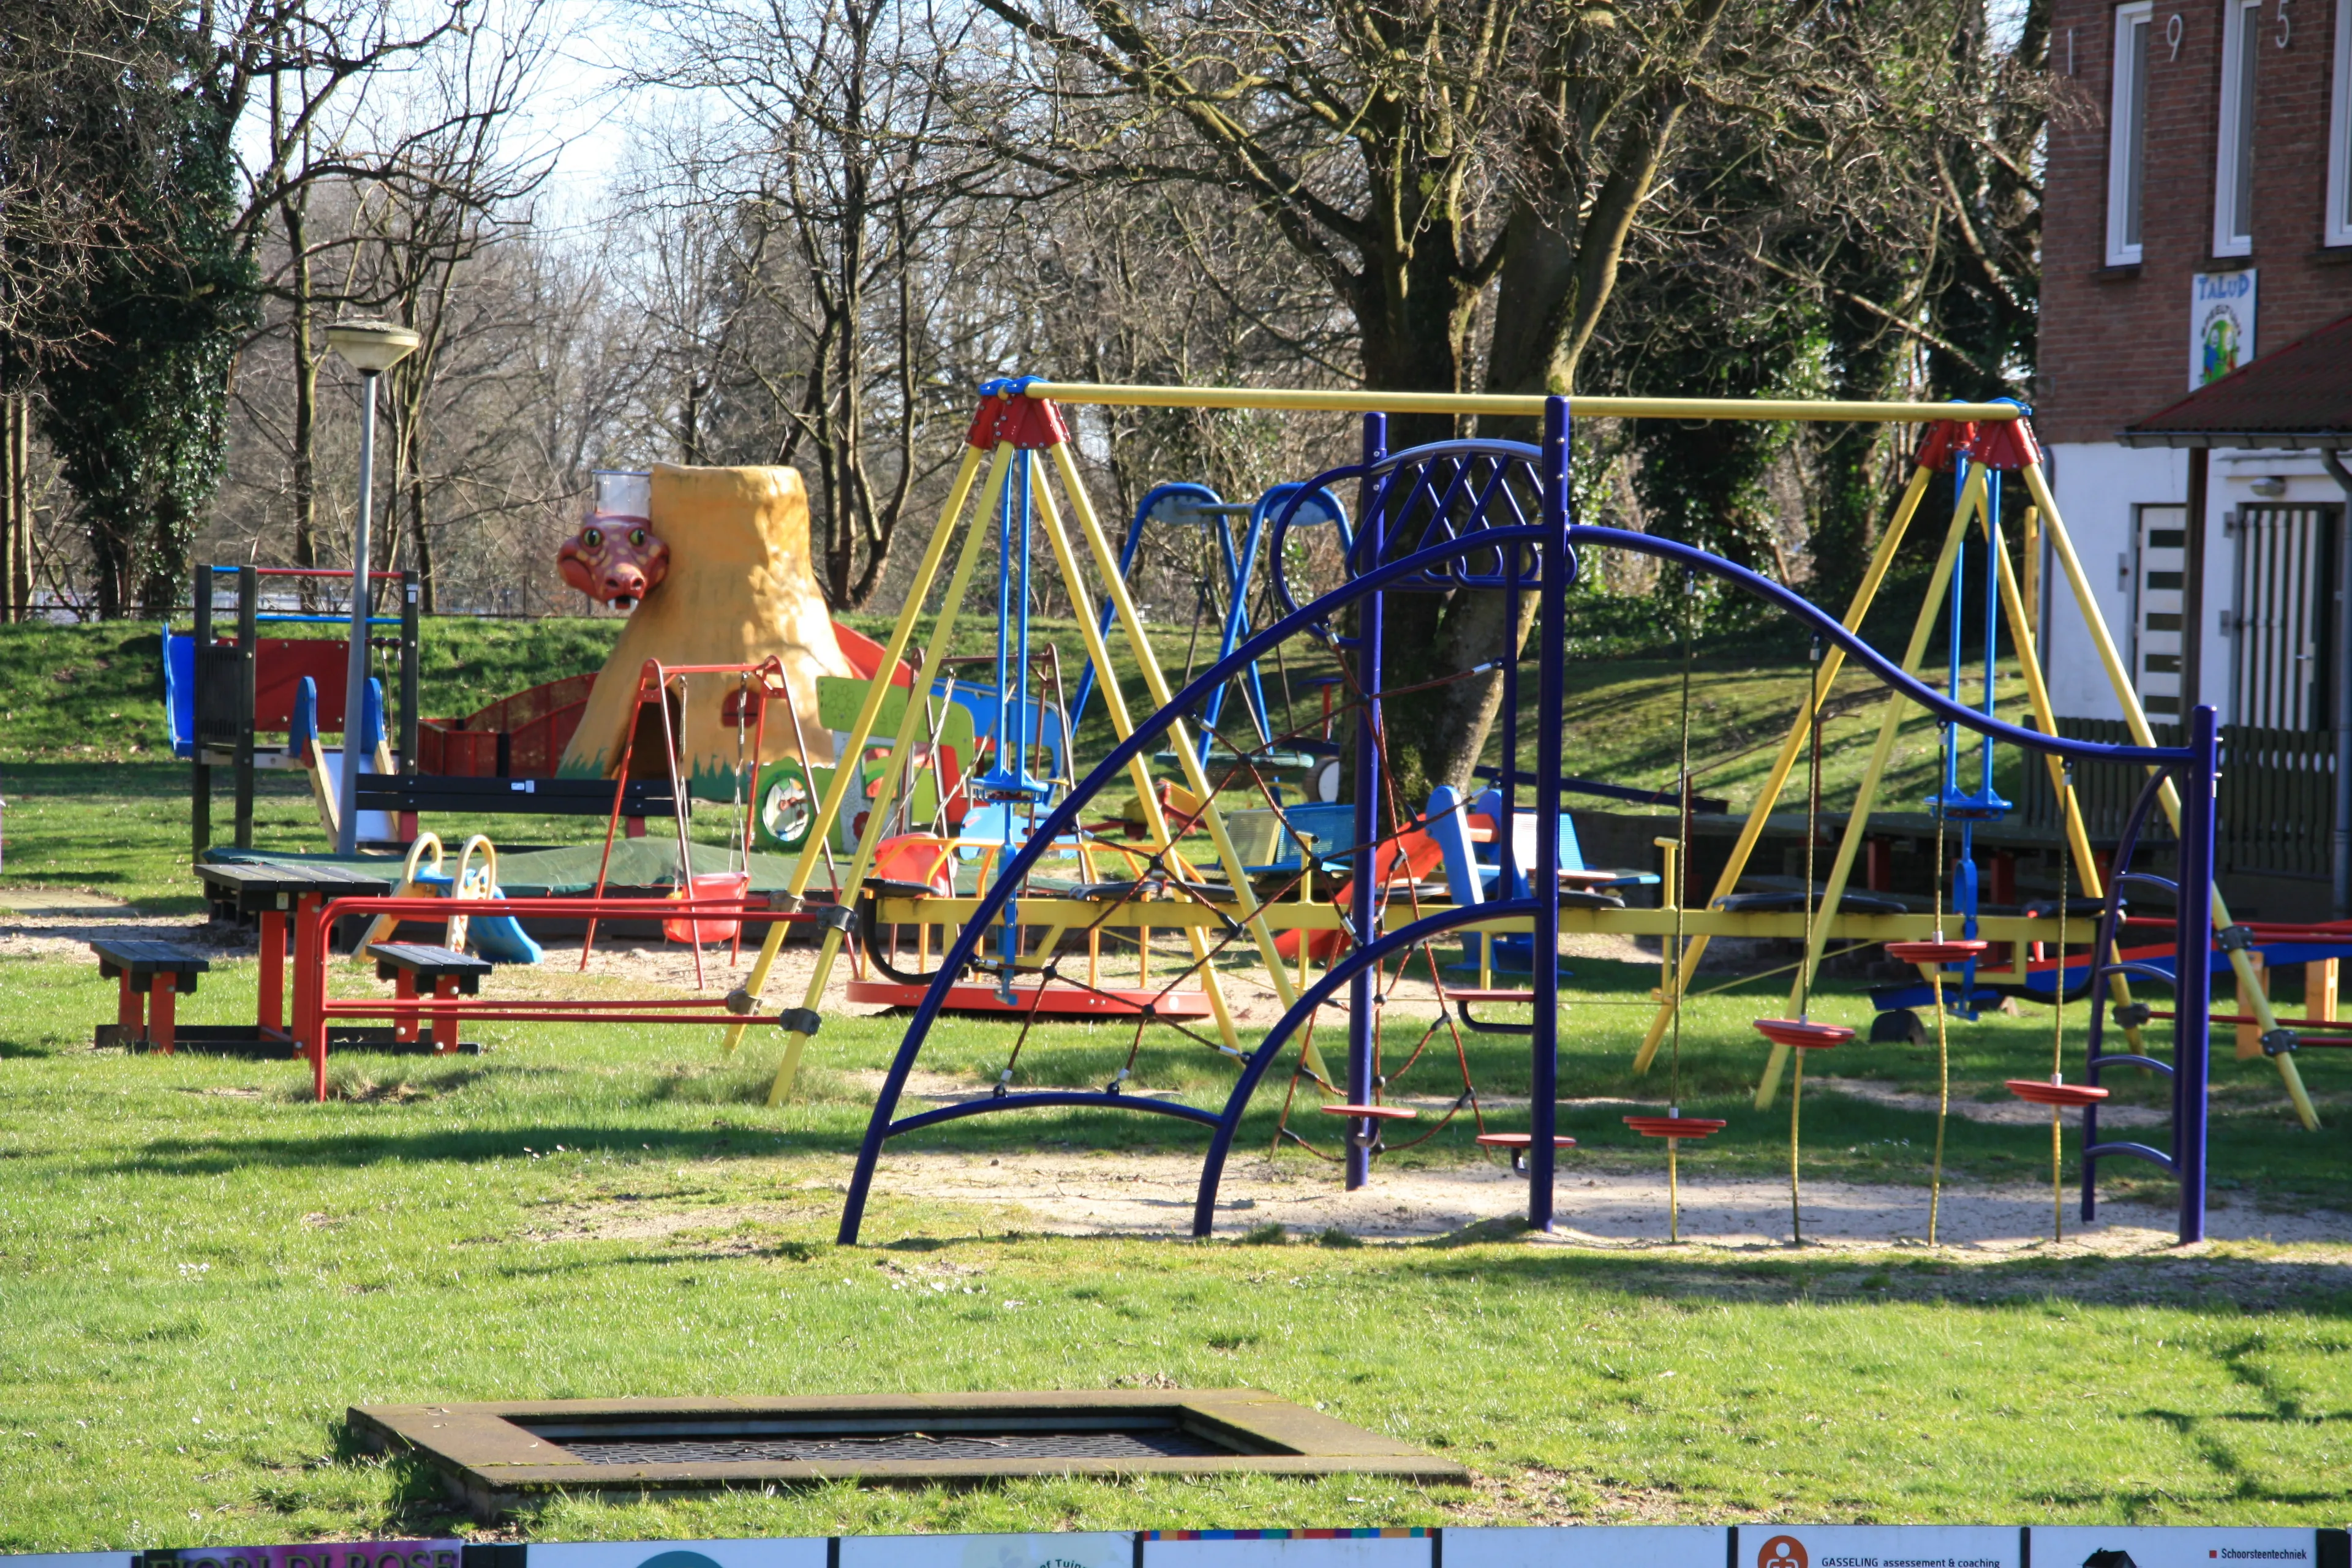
x=1172, y=914
x=1339, y=402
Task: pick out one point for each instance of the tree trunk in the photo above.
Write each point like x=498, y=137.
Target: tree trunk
x=12, y=488
x=420, y=543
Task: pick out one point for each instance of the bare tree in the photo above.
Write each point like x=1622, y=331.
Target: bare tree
x=448, y=195
x=842, y=204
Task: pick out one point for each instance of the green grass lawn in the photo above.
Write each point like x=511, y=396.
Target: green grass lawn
x=200, y=1268
x=203, y=1269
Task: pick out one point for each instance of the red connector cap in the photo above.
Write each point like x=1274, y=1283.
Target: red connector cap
x=1007, y=413
x=2007, y=446
x=1948, y=441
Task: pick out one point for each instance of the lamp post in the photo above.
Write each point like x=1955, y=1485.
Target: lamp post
x=369, y=347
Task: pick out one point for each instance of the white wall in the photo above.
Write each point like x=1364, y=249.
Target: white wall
x=2096, y=485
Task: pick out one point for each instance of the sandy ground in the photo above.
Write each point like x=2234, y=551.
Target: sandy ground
x=1135, y=1195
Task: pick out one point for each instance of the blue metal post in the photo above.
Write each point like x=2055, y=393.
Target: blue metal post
x=1363, y=1021
x=1543, y=1075
x=1991, y=611
x=2193, y=974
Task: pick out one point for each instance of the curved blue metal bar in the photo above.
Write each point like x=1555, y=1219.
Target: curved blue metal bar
x=2127, y=1060
x=2136, y=1151
x=1184, y=491
x=1094, y=1097
x=1888, y=672
x=2145, y=971
x=1064, y=817
x=1356, y=960
x=1385, y=575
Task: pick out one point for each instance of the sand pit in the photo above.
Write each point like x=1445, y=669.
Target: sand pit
x=1141, y=1194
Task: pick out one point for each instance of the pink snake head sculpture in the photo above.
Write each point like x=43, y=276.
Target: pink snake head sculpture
x=614, y=561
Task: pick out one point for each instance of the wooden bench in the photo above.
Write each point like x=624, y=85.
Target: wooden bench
x=443, y=972
x=152, y=977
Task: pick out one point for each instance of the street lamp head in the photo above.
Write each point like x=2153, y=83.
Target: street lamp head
x=371, y=346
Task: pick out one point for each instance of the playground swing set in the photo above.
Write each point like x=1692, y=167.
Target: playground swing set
x=1487, y=515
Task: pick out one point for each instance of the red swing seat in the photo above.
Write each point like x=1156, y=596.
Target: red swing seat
x=1802, y=1034
x=1675, y=1126
x=2042, y=1092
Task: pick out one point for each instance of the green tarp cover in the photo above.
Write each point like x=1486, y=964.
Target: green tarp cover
x=647, y=862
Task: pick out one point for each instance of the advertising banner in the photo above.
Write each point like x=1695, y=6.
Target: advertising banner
x=805, y=1552
x=1588, y=1546
x=1080, y=1549
x=1881, y=1546
x=319, y=1554
x=1287, y=1549
x=2174, y=1546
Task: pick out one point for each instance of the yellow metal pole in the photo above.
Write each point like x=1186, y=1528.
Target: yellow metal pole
x=1297, y=399
x=1760, y=812
x=1122, y=726
x=1178, y=733
x=845, y=767
x=2136, y=718
x=2078, y=837
x=910, y=727
x=1857, y=825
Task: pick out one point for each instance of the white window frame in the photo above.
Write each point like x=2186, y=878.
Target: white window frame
x=2339, y=133
x=2233, y=146
x=2128, y=152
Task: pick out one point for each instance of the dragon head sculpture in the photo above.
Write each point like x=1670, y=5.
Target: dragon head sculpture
x=615, y=559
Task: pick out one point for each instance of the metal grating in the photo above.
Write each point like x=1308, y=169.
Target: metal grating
x=1164, y=1443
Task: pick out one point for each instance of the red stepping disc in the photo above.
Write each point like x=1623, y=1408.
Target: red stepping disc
x=1377, y=1112
x=2044, y=1093
x=1675, y=1126
x=1803, y=1036
x=1957, y=951
x=1521, y=1141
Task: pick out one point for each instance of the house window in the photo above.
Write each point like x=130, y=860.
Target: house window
x=2339, y=133
x=2233, y=172
x=2128, y=133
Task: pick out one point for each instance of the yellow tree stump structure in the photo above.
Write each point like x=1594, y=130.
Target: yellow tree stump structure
x=737, y=587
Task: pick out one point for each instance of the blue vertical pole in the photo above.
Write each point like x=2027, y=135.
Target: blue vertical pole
x=1362, y=1020
x=1991, y=610
x=2193, y=977
x=1017, y=695
x=1543, y=1085
x=1004, y=619
x=1952, y=625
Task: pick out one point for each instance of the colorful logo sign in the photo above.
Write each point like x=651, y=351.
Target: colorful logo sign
x=2220, y=324
x=1782, y=1552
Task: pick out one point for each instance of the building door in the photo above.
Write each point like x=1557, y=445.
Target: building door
x=2286, y=576
x=2160, y=559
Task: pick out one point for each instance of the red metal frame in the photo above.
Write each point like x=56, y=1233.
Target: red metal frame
x=653, y=680
x=314, y=920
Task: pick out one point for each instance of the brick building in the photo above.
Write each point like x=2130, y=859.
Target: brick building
x=2197, y=215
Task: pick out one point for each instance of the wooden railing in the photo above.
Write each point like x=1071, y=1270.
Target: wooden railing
x=2278, y=791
